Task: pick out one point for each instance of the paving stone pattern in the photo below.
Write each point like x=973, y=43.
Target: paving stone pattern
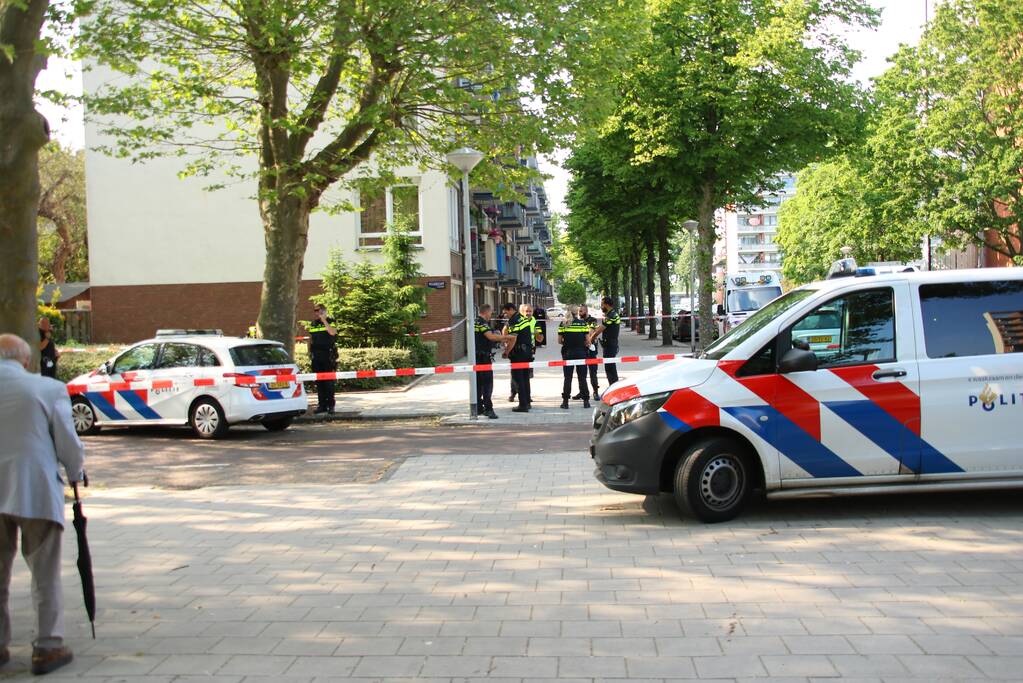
x=523, y=568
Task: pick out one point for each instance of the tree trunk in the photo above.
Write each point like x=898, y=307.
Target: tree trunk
x=706, y=237
x=613, y=289
x=651, y=304
x=627, y=294
x=63, y=252
x=665, y=277
x=23, y=131
x=637, y=274
x=286, y=228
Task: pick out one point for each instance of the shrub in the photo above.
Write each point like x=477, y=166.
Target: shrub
x=71, y=365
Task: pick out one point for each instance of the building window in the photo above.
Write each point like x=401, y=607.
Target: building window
x=380, y=207
x=454, y=211
x=457, y=299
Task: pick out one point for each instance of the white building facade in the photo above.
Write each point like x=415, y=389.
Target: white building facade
x=165, y=253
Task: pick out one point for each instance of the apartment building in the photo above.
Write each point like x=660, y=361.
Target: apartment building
x=751, y=236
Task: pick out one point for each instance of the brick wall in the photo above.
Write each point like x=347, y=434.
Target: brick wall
x=132, y=312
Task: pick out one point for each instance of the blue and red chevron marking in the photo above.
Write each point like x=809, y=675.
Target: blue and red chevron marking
x=104, y=402
x=791, y=420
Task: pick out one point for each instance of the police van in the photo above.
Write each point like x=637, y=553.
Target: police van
x=196, y=375
x=855, y=385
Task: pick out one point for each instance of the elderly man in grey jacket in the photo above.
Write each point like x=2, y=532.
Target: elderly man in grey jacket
x=36, y=437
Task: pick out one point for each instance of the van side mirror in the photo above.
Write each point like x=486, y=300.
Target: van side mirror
x=105, y=368
x=798, y=360
x=721, y=309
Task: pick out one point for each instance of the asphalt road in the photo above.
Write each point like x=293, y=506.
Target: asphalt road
x=335, y=452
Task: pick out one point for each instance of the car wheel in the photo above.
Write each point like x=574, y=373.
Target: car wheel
x=713, y=480
x=207, y=419
x=278, y=424
x=83, y=415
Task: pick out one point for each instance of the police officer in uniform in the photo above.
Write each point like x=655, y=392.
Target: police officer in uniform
x=591, y=350
x=48, y=353
x=572, y=335
x=486, y=341
x=609, y=340
x=323, y=350
x=510, y=316
x=541, y=320
x=527, y=333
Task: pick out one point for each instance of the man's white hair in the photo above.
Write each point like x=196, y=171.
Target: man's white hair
x=13, y=347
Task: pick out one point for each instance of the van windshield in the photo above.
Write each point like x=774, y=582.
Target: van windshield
x=755, y=323
x=740, y=300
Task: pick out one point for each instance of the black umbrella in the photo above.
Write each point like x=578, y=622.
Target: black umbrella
x=85, y=558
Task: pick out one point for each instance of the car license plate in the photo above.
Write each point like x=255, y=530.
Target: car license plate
x=279, y=385
x=820, y=340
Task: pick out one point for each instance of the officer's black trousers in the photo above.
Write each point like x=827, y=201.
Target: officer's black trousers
x=484, y=389
x=323, y=362
x=593, y=371
x=611, y=369
x=520, y=380
x=579, y=371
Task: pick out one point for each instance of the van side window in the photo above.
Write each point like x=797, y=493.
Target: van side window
x=853, y=329
x=972, y=318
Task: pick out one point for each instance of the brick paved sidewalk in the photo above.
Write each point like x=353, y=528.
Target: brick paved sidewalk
x=524, y=568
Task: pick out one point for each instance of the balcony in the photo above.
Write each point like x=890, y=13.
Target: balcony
x=524, y=236
x=511, y=216
x=757, y=248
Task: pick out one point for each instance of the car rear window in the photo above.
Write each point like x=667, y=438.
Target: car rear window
x=972, y=318
x=260, y=354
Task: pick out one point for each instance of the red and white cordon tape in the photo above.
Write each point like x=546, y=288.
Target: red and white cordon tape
x=415, y=334
x=250, y=380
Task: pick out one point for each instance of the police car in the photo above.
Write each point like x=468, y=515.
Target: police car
x=918, y=387
x=197, y=372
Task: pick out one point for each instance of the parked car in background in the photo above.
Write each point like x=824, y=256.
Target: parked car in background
x=197, y=373
x=555, y=312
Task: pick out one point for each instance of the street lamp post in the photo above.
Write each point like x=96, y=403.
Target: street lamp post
x=691, y=227
x=465, y=159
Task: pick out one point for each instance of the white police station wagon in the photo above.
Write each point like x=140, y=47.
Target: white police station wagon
x=882, y=383
x=195, y=372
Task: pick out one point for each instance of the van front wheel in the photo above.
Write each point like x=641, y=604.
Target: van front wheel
x=713, y=480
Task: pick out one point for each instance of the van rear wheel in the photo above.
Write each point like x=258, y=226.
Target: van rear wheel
x=713, y=480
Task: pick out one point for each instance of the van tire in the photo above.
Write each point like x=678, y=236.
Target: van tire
x=206, y=418
x=713, y=480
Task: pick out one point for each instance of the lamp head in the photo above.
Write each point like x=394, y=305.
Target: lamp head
x=464, y=158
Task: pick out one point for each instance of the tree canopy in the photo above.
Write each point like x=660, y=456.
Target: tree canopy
x=298, y=96
x=948, y=142
x=839, y=203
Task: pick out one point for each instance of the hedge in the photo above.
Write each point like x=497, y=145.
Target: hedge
x=70, y=365
x=371, y=359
